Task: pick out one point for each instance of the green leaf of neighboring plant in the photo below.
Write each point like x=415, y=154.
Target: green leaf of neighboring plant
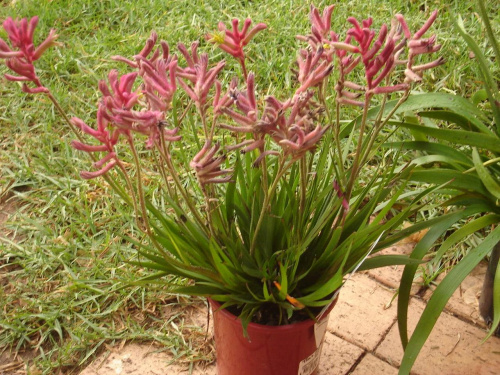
x=418, y=252
x=461, y=137
x=388, y=260
x=484, y=65
x=488, y=181
x=441, y=296
x=465, y=122
x=463, y=232
x=453, y=103
x=496, y=303
x=479, y=96
x=433, y=148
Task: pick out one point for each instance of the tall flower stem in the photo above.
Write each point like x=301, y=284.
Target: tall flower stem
x=283, y=167
x=356, y=162
x=164, y=153
x=243, y=68
x=132, y=192
x=380, y=124
x=265, y=182
x=202, y=112
x=303, y=184
x=171, y=192
x=141, y=197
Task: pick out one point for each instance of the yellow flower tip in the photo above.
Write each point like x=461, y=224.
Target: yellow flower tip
x=217, y=37
x=327, y=46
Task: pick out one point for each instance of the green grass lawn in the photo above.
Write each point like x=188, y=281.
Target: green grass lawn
x=62, y=257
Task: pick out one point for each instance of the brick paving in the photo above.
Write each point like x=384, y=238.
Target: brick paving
x=362, y=336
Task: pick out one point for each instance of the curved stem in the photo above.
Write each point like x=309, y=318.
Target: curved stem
x=132, y=192
x=142, y=201
x=303, y=184
x=165, y=155
x=486, y=163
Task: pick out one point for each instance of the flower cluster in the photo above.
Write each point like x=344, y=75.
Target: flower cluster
x=23, y=54
x=291, y=124
x=379, y=53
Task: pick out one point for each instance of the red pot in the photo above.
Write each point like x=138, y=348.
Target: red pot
x=292, y=349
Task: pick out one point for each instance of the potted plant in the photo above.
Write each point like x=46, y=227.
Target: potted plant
x=264, y=203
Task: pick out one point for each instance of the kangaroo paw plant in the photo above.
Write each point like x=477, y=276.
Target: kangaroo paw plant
x=263, y=201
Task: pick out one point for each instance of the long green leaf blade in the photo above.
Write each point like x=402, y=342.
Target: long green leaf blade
x=441, y=296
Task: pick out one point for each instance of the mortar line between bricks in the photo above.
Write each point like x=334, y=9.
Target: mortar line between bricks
x=349, y=341
x=418, y=297
x=358, y=361
x=384, y=336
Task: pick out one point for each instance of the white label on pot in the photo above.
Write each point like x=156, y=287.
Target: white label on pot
x=319, y=331
x=308, y=365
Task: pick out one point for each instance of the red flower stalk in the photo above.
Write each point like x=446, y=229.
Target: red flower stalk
x=220, y=103
x=207, y=165
x=300, y=134
x=20, y=59
x=147, y=49
x=321, y=35
x=378, y=64
x=115, y=117
x=246, y=117
x=119, y=102
x=121, y=94
x=233, y=41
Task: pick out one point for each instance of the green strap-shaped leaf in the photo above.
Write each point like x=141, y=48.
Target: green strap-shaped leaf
x=461, y=137
x=496, y=303
x=464, y=231
x=488, y=181
x=433, y=148
x=417, y=102
x=441, y=296
x=431, y=159
x=455, y=179
x=388, y=260
x=484, y=65
x=419, y=251
x=468, y=123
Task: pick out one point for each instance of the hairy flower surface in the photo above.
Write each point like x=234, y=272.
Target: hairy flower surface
x=197, y=79
x=157, y=71
x=207, y=165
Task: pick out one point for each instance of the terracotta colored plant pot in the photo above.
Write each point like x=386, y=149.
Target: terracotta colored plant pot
x=292, y=349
